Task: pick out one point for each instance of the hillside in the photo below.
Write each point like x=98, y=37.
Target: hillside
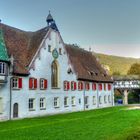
x=116, y=64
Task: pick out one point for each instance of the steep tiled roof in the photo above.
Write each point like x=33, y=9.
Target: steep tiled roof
x=22, y=46
x=85, y=65
x=3, y=50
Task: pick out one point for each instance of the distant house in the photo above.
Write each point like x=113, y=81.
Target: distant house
x=40, y=74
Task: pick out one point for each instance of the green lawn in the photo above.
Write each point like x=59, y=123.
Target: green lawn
x=101, y=124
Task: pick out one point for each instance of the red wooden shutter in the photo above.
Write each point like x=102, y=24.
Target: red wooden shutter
x=93, y=86
x=45, y=84
x=74, y=85
x=19, y=82
x=82, y=86
x=109, y=87
x=40, y=83
x=30, y=83
x=64, y=85
x=68, y=85
x=35, y=83
x=100, y=87
x=87, y=86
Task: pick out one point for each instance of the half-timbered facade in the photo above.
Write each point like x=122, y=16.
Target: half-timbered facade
x=40, y=75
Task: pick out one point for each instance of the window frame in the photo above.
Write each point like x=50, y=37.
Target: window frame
x=32, y=83
x=43, y=83
x=49, y=48
x=73, y=101
x=56, y=102
x=1, y=105
x=105, y=99
x=80, y=85
x=86, y=100
x=31, y=104
x=66, y=101
x=66, y=85
x=42, y=103
x=94, y=100
x=2, y=68
x=100, y=87
x=100, y=99
x=73, y=85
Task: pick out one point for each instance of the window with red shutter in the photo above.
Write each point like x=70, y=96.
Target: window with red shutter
x=66, y=85
x=109, y=86
x=16, y=83
x=19, y=82
x=87, y=86
x=100, y=87
x=30, y=83
x=45, y=84
x=80, y=85
x=35, y=83
x=73, y=85
x=105, y=86
x=94, y=86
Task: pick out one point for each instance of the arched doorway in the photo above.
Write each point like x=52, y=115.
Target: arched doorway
x=15, y=110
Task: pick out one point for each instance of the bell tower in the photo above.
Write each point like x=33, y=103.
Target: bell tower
x=51, y=22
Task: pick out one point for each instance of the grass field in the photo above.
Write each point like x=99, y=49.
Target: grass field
x=102, y=124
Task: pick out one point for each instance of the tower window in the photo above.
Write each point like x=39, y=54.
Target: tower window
x=60, y=51
x=2, y=68
x=49, y=48
x=54, y=75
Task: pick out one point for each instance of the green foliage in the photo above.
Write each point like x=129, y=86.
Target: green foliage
x=134, y=69
x=115, y=123
x=117, y=64
x=116, y=73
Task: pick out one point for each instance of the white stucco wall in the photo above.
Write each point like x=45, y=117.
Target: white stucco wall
x=42, y=69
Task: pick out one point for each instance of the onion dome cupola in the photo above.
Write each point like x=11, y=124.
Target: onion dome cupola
x=3, y=50
x=51, y=22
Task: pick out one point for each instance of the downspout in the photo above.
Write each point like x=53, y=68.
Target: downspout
x=84, y=94
x=10, y=99
x=112, y=93
x=97, y=96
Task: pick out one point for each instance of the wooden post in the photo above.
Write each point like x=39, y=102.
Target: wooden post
x=125, y=98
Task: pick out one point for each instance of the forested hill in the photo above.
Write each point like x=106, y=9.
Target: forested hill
x=116, y=64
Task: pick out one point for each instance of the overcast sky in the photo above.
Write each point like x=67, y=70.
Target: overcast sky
x=107, y=26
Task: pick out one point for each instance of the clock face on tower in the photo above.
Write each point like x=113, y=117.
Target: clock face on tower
x=55, y=54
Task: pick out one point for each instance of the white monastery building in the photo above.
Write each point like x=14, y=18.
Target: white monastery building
x=41, y=75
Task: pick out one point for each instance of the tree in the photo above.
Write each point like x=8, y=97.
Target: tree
x=134, y=69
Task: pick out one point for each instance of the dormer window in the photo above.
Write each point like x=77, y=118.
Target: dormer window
x=2, y=68
x=69, y=70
